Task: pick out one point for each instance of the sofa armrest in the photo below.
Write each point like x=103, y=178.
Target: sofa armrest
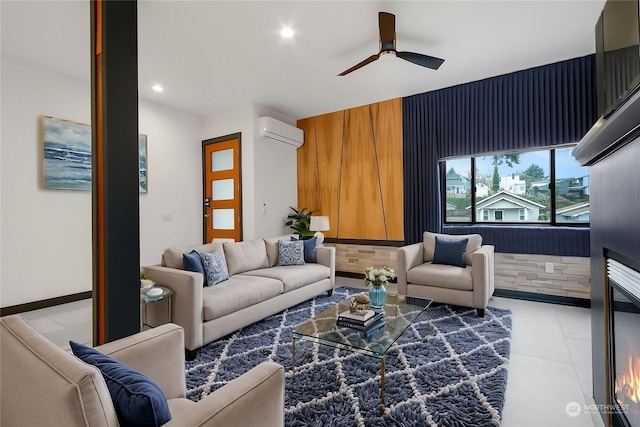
x=254, y=399
x=187, y=300
x=408, y=257
x=482, y=275
x=326, y=255
x=157, y=353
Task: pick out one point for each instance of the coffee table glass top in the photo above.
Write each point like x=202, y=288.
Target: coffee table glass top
x=400, y=312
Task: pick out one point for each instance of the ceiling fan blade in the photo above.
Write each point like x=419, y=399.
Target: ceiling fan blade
x=369, y=60
x=420, y=59
x=387, y=25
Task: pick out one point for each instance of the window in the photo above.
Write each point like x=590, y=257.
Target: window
x=543, y=186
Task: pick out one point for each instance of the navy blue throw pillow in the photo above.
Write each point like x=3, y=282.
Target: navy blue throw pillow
x=138, y=400
x=309, y=248
x=450, y=252
x=193, y=262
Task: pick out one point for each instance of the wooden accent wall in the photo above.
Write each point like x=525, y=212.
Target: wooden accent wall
x=350, y=169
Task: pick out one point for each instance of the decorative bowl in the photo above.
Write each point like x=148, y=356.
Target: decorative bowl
x=154, y=292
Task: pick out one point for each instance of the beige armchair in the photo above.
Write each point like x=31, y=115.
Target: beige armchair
x=469, y=286
x=43, y=385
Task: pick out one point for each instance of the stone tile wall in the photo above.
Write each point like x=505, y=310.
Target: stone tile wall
x=520, y=272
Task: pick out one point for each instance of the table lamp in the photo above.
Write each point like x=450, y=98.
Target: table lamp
x=319, y=224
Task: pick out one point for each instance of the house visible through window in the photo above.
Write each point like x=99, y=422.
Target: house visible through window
x=543, y=186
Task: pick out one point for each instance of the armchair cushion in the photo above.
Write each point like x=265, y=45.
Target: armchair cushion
x=450, y=252
x=138, y=400
x=441, y=276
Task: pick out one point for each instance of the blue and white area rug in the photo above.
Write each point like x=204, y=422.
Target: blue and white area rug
x=456, y=378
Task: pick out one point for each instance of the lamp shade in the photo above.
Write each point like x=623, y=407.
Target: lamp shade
x=319, y=223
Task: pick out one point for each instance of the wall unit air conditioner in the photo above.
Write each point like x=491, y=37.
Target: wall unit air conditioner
x=281, y=132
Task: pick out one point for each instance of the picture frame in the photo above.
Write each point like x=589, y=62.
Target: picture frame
x=143, y=179
x=67, y=157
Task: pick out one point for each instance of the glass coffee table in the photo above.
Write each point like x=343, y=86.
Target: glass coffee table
x=399, y=313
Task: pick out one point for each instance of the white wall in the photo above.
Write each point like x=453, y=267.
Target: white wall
x=171, y=210
x=45, y=251
x=276, y=180
x=269, y=172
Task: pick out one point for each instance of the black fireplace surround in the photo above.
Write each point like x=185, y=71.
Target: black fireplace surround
x=612, y=150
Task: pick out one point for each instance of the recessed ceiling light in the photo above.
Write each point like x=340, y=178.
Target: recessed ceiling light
x=286, y=32
x=157, y=88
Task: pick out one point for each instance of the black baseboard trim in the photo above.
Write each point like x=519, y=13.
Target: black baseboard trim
x=553, y=299
x=358, y=275
x=395, y=243
x=350, y=274
x=36, y=305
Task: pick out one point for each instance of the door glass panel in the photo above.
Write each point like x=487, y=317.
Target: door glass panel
x=223, y=219
x=222, y=189
x=222, y=160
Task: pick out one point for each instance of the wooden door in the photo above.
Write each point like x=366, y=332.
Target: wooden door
x=222, y=188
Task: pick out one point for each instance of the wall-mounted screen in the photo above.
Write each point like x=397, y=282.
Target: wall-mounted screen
x=619, y=52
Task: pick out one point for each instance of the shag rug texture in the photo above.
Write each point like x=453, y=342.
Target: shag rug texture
x=457, y=377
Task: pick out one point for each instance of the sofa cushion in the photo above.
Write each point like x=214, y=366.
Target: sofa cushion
x=237, y=293
x=214, y=267
x=429, y=242
x=192, y=262
x=450, y=252
x=172, y=257
x=245, y=256
x=293, y=276
x=138, y=400
x=272, y=248
x=442, y=276
x=309, y=248
x=291, y=253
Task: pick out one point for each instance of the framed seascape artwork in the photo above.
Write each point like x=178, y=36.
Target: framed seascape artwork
x=67, y=155
x=142, y=163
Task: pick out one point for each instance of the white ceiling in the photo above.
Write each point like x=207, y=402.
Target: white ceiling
x=215, y=55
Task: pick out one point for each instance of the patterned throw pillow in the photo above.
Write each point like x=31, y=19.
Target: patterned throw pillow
x=215, y=268
x=290, y=253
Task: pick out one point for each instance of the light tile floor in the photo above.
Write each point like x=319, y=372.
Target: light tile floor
x=549, y=368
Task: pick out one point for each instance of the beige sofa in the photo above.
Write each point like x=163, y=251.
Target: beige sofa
x=257, y=287
x=471, y=286
x=43, y=385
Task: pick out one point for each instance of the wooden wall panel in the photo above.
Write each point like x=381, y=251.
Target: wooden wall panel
x=329, y=130
x=308, y=191
x=387, y=131
x=350, y=169
x=361, y=215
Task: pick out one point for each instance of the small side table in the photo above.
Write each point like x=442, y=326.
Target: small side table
x=166, y=295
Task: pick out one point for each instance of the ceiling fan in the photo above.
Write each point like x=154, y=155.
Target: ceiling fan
x=387, y=24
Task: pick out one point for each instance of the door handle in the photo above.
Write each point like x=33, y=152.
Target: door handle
x=207, y=202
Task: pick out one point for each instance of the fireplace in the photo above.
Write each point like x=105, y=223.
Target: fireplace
x=624, y=343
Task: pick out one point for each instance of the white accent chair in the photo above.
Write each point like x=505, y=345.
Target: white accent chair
x=471, y=286
x=43, y=385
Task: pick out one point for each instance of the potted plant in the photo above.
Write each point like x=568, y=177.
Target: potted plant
x=299, y=221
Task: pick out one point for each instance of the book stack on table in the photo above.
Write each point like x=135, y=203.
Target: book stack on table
x=366, y=321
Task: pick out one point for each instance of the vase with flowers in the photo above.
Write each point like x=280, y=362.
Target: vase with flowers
x=378, y=279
